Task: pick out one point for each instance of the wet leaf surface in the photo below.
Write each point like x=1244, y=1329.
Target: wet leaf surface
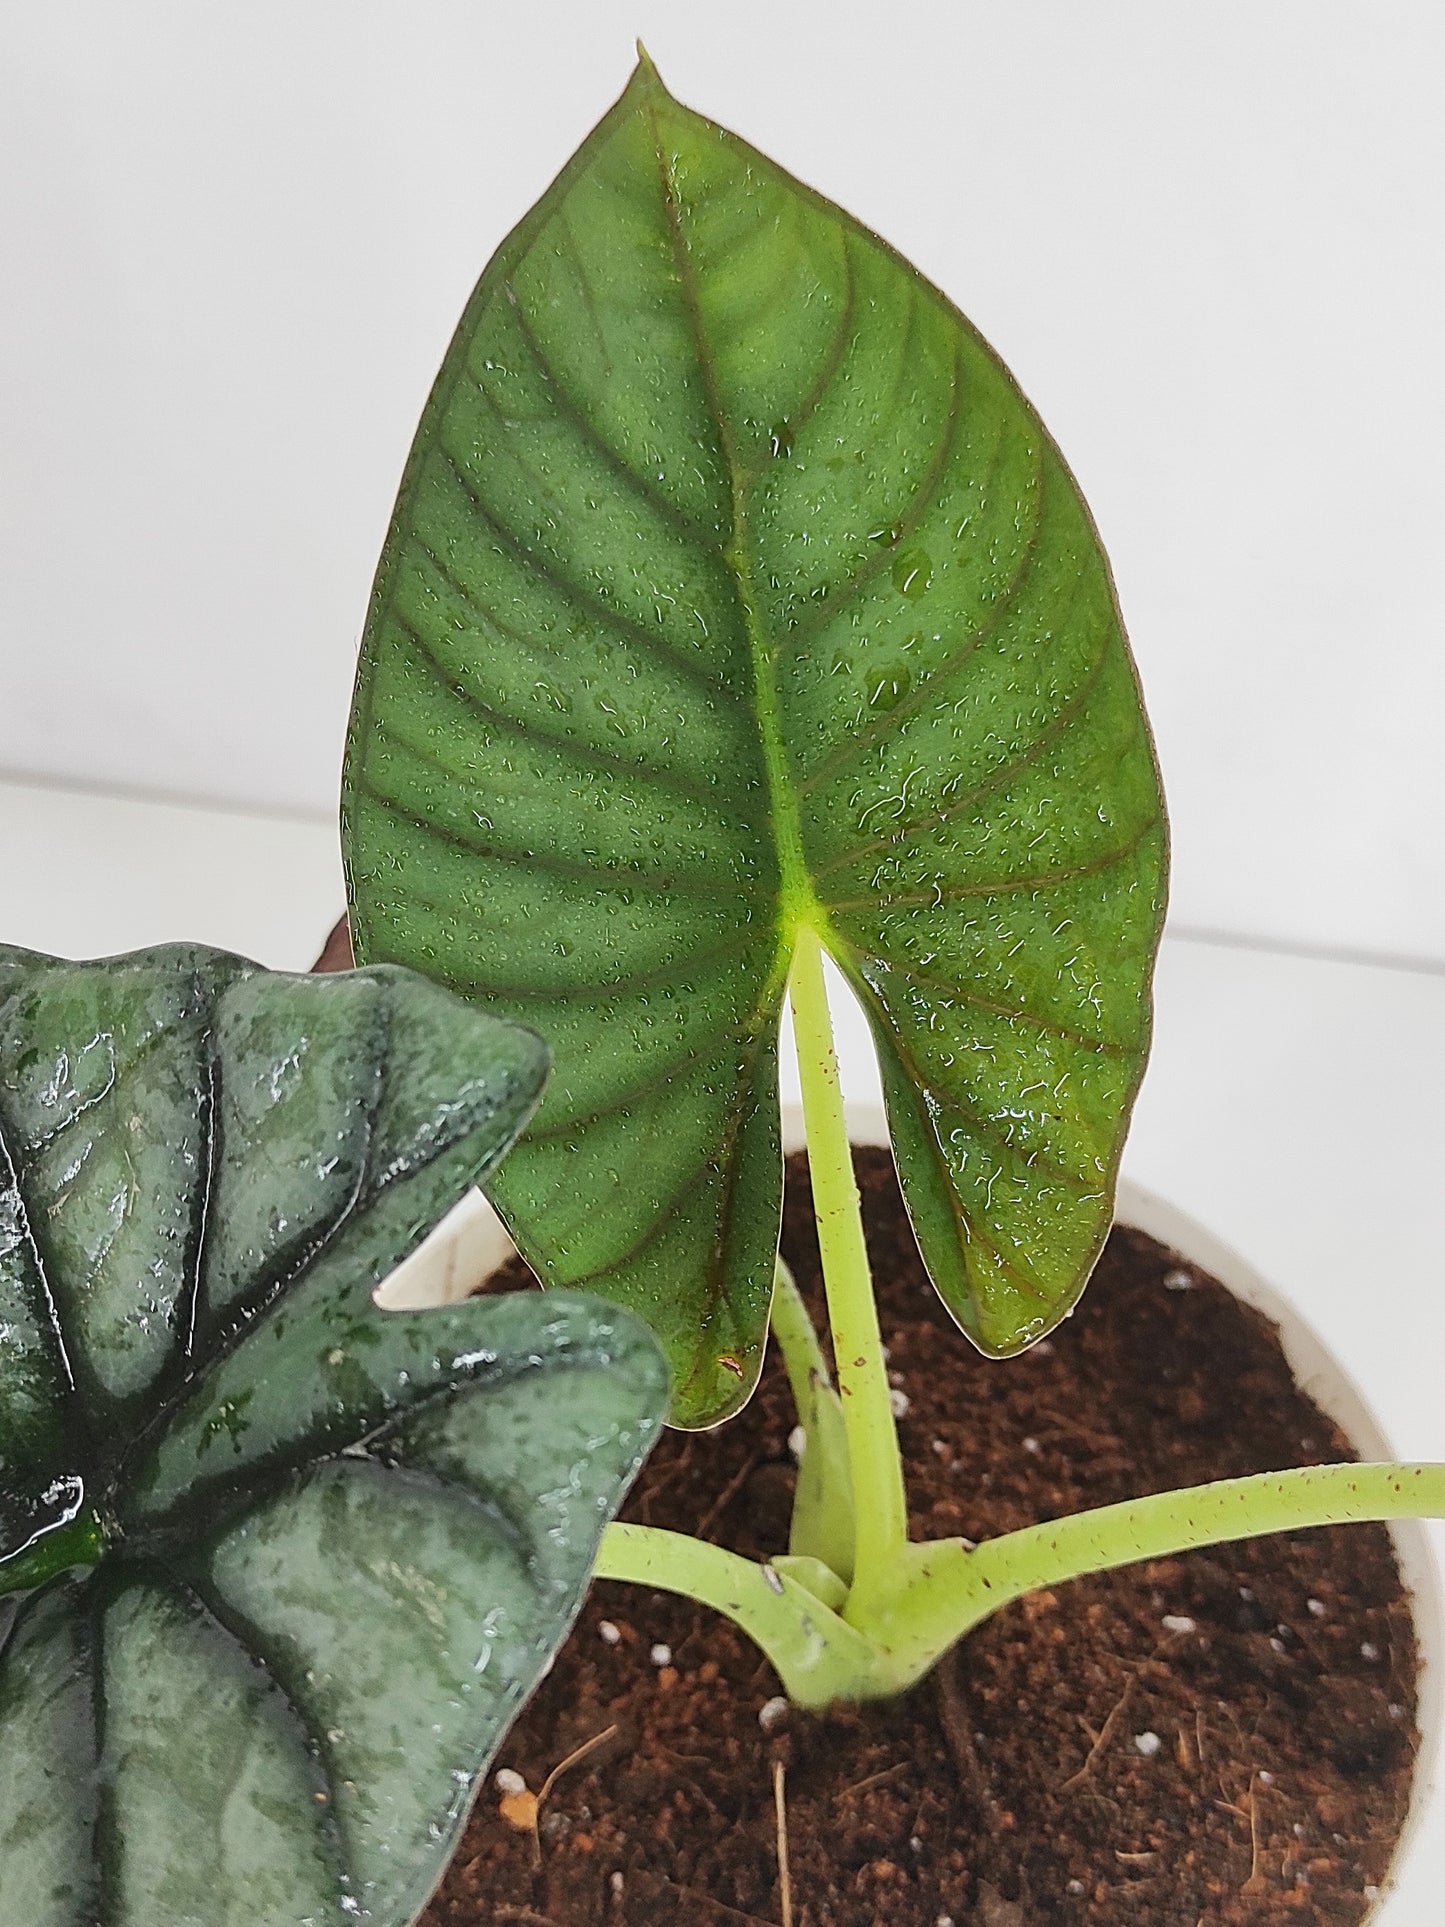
x=733, y=587
x=277, y=1567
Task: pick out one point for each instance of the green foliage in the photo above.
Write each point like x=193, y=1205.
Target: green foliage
x=733, y=590
x=276, y=1567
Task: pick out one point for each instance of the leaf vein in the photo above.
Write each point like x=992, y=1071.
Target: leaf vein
x=587, y=600
x=966, y=1220
x=667, y=972
x=1104, y=1047
x=669, y=884
x=571, y=411
x=822, y=612
x=586, y=755
x=984, y=631
x=629, y=1094
x=997, y=778
x=837, y=348
x=1002, y=886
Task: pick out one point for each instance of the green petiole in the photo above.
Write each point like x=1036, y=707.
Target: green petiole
x=946, y=1589
x=791, y=1326
x=881, y=1505
x=817, y=1655
x=824, y=1527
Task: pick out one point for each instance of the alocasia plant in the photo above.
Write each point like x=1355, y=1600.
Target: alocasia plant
x=277, y=1567
x=738, y=609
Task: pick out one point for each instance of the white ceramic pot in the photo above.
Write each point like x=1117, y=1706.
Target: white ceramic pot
x=470, y=1244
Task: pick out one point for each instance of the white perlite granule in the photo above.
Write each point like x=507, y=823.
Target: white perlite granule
x=507, y=1780
x=608, y=1633
x=1148, y=1744
x=1178, y=1623
x=797, y=1441
x=900, y=1401
x=661, y=1655
x=771, y=1712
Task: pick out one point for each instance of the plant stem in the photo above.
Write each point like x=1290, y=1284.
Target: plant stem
x=824, y=1525
x=879, y=1498
x=797, y=1340
x=949, y=1589
x=818, y=1657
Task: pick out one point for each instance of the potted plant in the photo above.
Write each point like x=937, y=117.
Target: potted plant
x=737, y=609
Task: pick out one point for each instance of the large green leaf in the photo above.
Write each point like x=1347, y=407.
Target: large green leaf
x=277, y=1567
x=734, y=587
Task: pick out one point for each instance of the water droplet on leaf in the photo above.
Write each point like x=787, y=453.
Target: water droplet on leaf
x=912, y=573
x=889, y=688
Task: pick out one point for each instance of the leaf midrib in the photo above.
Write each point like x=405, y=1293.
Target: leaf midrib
x=798, y=906
x=186, y=1375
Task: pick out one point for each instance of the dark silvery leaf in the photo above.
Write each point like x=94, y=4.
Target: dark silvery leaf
x=734, y=588
x=277, y=1567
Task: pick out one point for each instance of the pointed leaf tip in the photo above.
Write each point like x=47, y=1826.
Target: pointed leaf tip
x=645, y=74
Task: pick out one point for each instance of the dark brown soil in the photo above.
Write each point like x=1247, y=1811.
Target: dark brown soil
x=336, y=952
x=1022, y=1785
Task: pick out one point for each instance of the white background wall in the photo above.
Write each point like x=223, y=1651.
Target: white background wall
x=1208, y=239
